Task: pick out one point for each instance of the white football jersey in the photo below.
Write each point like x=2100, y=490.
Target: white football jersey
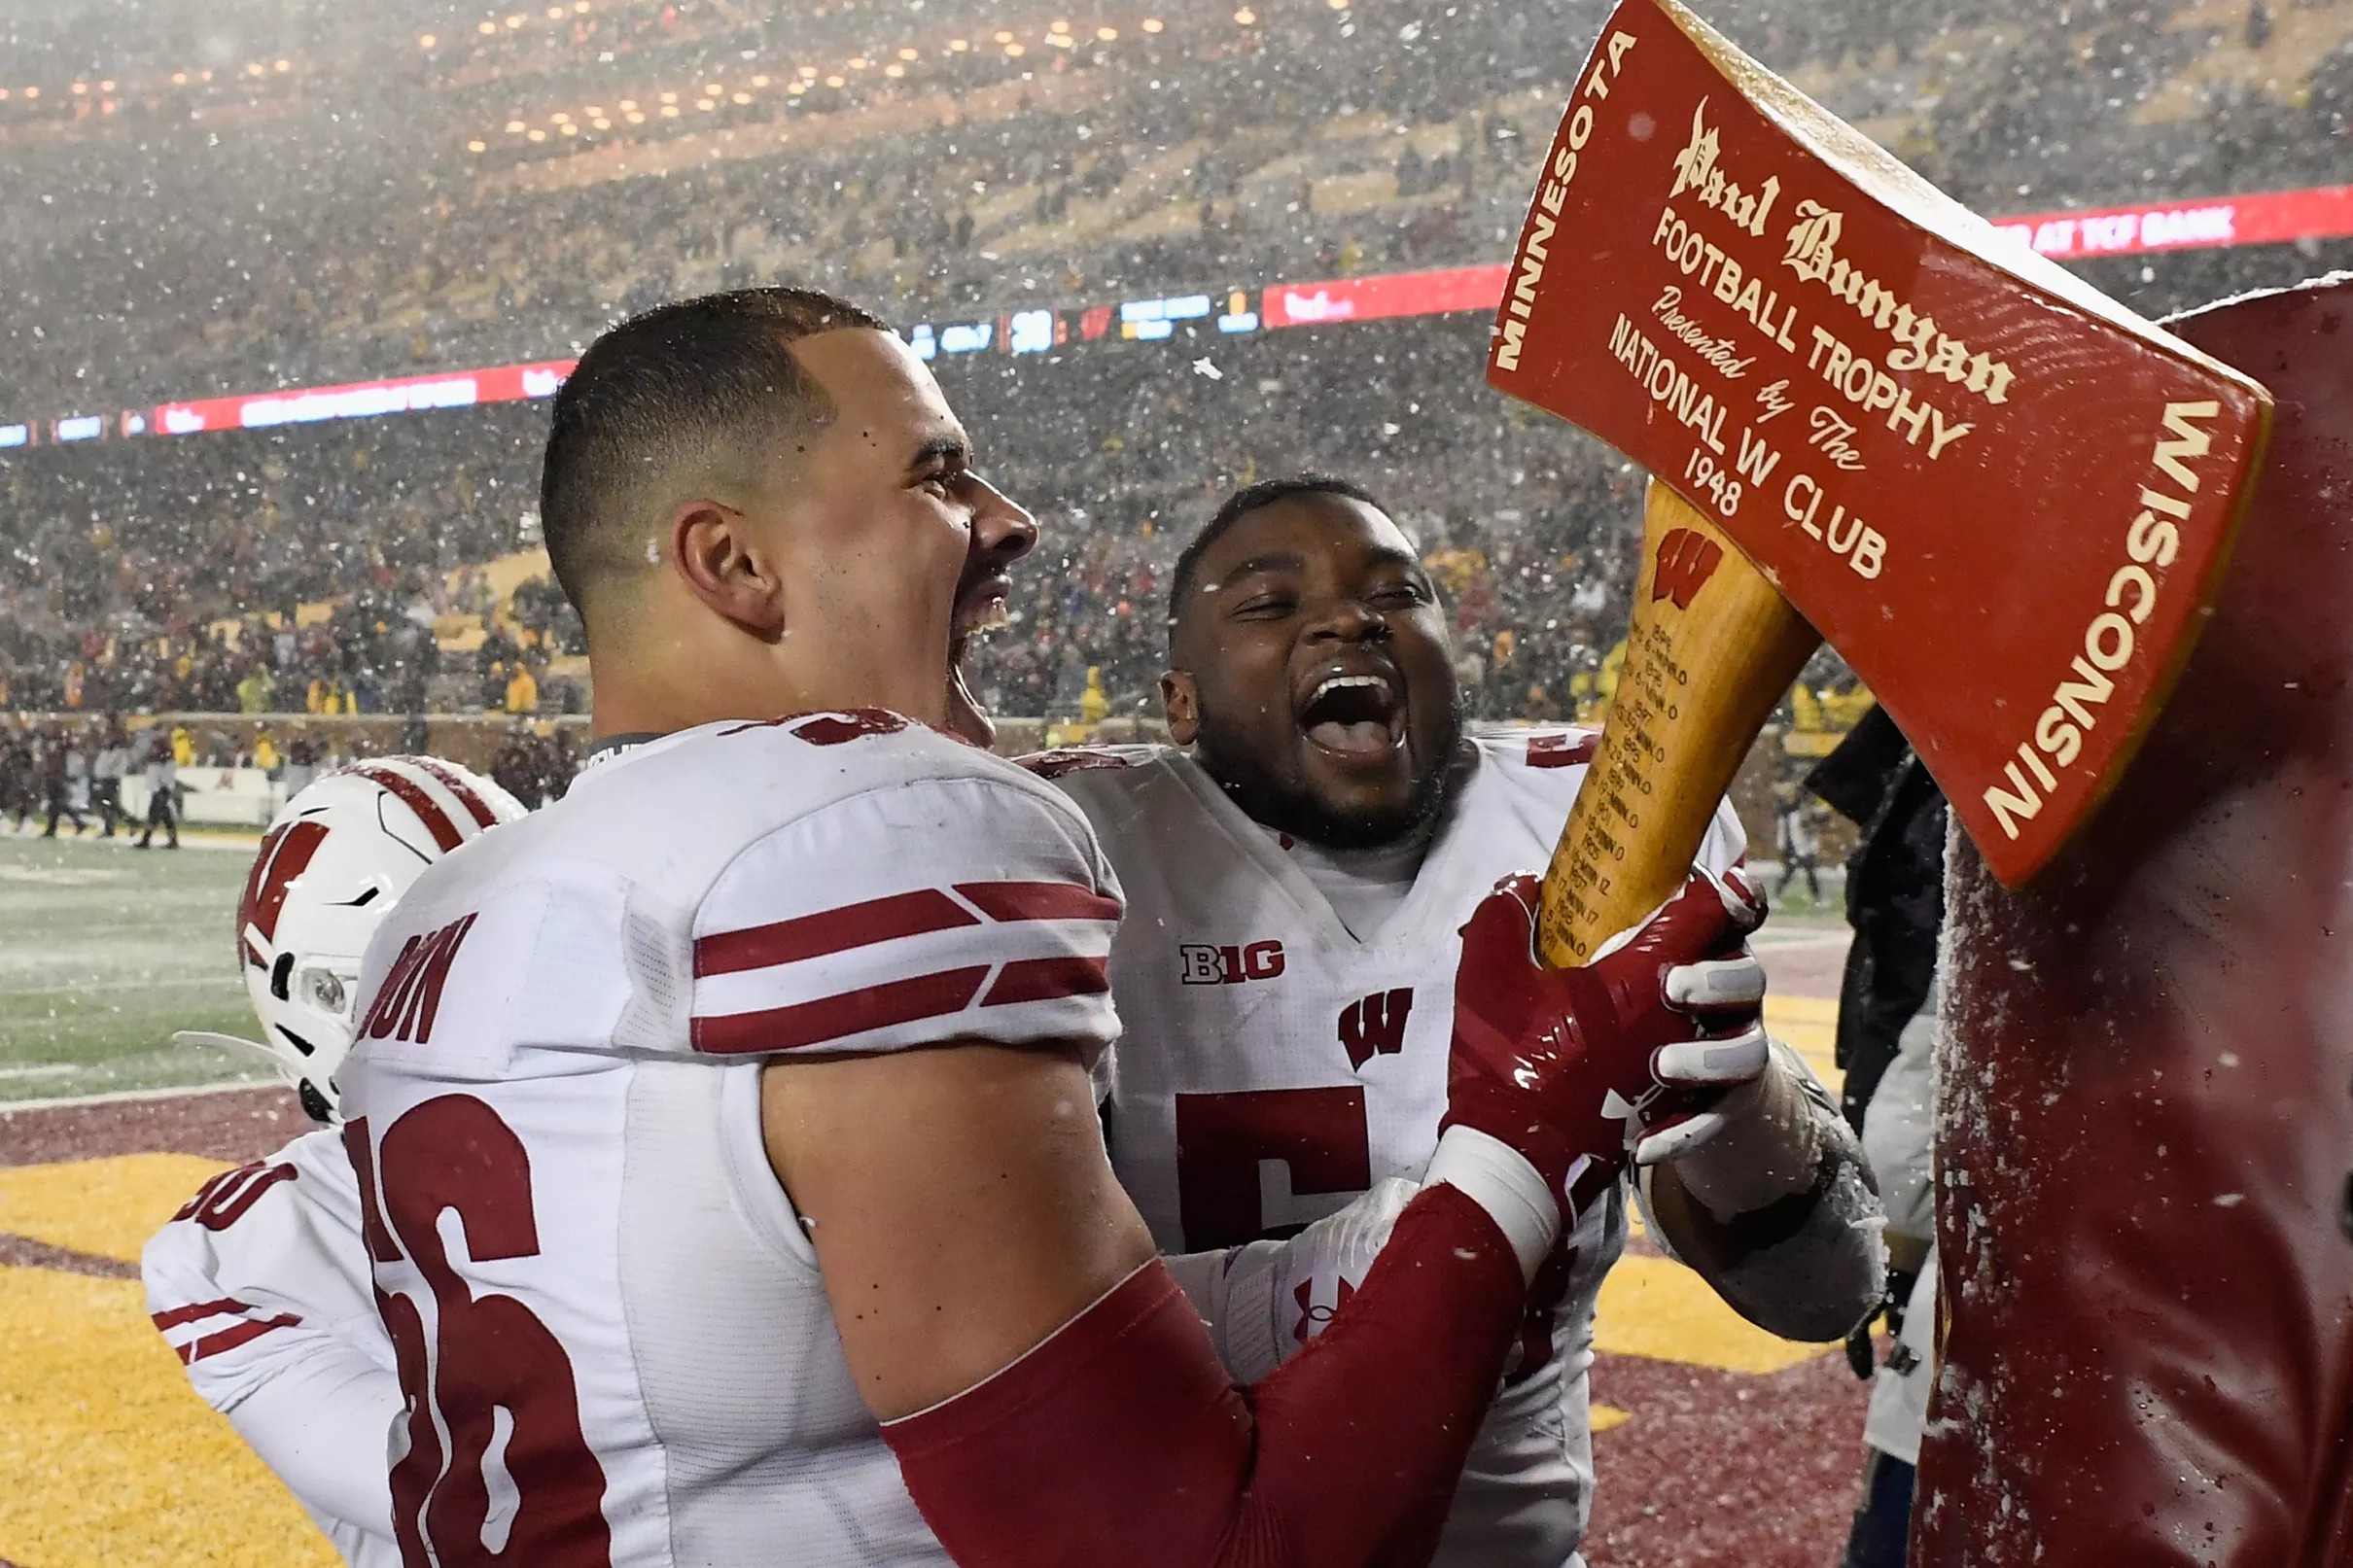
x=611, y=1329
x=260, y=1285
x=1275, y=1064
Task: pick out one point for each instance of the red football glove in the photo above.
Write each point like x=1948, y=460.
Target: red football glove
x=1580, y=1069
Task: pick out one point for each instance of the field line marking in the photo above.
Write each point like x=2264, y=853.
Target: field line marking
x=124, y=1097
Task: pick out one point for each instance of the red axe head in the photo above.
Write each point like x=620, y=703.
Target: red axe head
x=2003, y=497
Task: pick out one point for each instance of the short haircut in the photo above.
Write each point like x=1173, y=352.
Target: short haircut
x=1241, y=504
x=683, y=391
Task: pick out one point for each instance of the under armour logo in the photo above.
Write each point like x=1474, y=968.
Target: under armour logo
x=1687, y=559
x=1618, y=1108
x=1313, y=1316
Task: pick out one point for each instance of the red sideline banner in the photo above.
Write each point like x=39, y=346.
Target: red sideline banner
x=2266, y=218
x=362, y=400
x=1394, y=293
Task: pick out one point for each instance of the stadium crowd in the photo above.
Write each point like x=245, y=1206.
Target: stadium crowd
x=339, y=568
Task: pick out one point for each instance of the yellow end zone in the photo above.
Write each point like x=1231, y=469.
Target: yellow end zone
x=107, y=1207
x=112, y=1460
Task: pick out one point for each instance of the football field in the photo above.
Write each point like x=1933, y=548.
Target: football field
x=1717, y=1444
x=104, y=951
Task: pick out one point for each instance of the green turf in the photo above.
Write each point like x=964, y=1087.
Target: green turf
x=104, y=951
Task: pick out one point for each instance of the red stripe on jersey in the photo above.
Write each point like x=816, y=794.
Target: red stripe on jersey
x=429, y=811
x=1039, y=901
x=475, y=806
x=1043, y=980
x=189, y=1315
x=833, y=930
x=213, y=1344
x=832, y=1018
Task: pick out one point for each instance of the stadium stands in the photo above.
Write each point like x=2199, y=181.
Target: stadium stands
x=480, y=192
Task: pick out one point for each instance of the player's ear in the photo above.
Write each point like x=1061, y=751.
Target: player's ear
x=712, y=550
x=1181, y=700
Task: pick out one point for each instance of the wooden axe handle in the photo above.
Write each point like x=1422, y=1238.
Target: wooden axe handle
x=1713, y=648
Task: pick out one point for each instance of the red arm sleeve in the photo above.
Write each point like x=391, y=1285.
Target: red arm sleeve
x=1120, y=1439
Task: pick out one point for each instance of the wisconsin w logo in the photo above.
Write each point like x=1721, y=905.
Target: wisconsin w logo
x=1375, y=1025
x=1686, y=561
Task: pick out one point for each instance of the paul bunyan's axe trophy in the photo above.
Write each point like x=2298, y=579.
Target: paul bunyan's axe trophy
x=1869, y=419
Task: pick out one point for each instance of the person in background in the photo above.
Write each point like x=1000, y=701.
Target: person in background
x=522, y=689
x=163, y=793
x=1899, y=1142
x=1795, y=839
x=60, y=766
x=106, y=774
x=17, y=795
x=1895, y=895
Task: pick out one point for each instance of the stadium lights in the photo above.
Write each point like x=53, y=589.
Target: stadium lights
x=255, y=69
x=635, y=117
x=80, y=89
x=560, y=117
x=594, y=112
x=1151, y=25
x=958, y=45
x=1004, y=38
x=670, y=100
x=910, y=55
x=477, y=147
x=808, y=73
x=628, y=106
x=1246, y=17
x=859, y=62
x=740, y=99
x=427, y=41
x=836, y=82
x=894, y=70
x=512, y=22
x=538, y=135
x=3, y=95
x=601, y=123
x=571, y=129
x=798, y=88
x=1109, y=35
x=706, y=105
x=1014, y=51
x=486, y=28
x=106, y=86
x=1337, y=5
x=555, y=13
x=515, y=128
x=179, y=79
x=1058, y=25
x=669, y=111
x=760, y=81
x=581, y=6
x=715, y=88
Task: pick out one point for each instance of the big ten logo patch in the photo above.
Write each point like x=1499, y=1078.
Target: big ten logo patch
x=1202, y=964
x=1687, y=559
x=1375, y=1026
x=410, y=997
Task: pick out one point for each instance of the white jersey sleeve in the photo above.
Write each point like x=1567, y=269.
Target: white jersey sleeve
x=821, y=938
x=261, y=1285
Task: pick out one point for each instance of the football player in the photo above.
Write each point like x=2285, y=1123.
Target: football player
x=261, y=1281
x=724, y=1135
x=1287, y=974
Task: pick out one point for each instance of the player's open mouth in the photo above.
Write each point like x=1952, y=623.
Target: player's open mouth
x=1354, y=716
x=980, y=608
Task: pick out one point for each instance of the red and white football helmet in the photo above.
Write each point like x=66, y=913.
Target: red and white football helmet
x=336, y=858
